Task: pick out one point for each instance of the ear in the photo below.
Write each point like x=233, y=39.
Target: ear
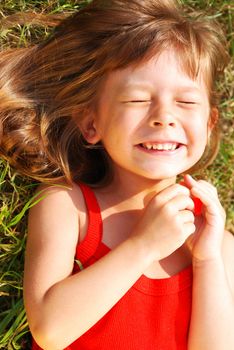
x=88, y=129
x=213, y=120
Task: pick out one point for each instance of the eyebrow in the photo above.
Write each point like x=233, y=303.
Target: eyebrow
x=136, y=85
x=189, y=89
x=147, y=86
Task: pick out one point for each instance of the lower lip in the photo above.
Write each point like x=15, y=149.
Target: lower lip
x=162, y=153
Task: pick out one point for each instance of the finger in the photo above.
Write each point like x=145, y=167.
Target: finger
x=208, y=190
x=188, y=229
x=187, y=216
x=171, y=192
x=180, y=202
x=197, y=202
x=208, y=186
x=191, y=182
x=211, y=204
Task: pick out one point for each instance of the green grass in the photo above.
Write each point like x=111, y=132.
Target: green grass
x=16, y=192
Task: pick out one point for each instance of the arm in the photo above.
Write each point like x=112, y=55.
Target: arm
x=213, y=302
x=61, y=307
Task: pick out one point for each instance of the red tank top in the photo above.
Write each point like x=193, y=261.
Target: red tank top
x=153, y=315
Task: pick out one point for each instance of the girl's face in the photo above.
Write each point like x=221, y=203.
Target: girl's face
x=153, y=119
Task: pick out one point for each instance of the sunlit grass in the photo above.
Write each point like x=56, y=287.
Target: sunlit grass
x=16, y=192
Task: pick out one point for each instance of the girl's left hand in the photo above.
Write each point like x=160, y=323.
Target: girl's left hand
x=205, y=243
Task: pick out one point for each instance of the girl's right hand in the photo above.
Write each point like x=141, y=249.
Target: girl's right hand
x=167, y=222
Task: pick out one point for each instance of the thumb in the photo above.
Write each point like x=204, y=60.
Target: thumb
x=189, y=182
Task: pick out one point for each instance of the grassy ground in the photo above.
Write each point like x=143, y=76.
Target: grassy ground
x=16, y=192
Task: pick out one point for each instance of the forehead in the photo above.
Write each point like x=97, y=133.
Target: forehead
x=164, y=70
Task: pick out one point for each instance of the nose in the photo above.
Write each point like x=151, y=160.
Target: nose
x=162, y=117
x=164, y=123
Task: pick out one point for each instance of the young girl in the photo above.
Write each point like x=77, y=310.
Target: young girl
x=118, y=102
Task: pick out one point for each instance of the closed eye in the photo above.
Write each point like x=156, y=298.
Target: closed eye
x=138, y=101
x=187, y=102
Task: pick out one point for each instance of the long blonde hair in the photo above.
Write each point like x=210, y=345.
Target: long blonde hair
x=42, y=86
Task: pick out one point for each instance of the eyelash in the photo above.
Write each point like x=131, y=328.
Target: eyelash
x=148, y=101
x=187, y=102
x=138, y=101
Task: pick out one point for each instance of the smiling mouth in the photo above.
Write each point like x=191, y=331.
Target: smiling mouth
x=161, y=147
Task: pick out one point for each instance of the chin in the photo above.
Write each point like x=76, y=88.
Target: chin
x=160, y=176
x=165, y=173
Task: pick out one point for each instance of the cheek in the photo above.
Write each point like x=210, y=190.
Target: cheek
x=198, y=132
x=200, y=138
x=121, y=126
x=199, y=145
x=198, y=123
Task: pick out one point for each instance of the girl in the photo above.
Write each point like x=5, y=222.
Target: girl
x=117, y=103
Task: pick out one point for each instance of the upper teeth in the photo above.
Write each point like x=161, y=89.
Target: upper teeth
x=160, y=146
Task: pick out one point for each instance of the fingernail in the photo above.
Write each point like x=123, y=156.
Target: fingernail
x=190, y=177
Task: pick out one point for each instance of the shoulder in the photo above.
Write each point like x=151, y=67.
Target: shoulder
x=57, y=200
x=53, y=233
x=57, y=207
x=54, y=222
x=228, y=256
x=49, y=193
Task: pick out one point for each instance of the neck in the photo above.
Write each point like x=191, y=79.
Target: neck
x=127, y=187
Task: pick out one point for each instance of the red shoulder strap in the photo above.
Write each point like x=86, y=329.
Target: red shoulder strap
x=86, y=249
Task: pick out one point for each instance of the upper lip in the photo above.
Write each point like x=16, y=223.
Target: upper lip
x=163, y=142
